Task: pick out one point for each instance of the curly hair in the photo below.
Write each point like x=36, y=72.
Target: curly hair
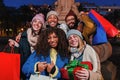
x=43, y=46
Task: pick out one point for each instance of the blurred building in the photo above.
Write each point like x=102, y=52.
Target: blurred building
x=101, y=9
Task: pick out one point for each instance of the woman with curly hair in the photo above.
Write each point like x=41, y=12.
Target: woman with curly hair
x=50, y=55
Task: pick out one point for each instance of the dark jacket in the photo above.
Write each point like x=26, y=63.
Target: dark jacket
x=24, y=47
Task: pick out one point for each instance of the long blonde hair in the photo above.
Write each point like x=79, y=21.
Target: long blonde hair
x=81, y=44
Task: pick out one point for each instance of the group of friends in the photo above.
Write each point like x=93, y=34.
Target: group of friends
x=48, y=46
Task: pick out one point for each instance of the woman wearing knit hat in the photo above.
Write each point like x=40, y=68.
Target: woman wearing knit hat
x=84, y=24
x=29, y=37
x=83, y=52
x=52, y=19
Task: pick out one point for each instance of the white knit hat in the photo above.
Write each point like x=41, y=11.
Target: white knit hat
x=51, y=13
x=76, y=32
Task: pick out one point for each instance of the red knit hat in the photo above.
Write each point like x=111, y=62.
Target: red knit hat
x=70, y=13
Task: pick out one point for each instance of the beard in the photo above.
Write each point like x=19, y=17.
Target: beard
x=71, y=25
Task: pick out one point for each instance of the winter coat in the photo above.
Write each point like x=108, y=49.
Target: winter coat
x=90, y=55
x=24, y=47
x=28, y=67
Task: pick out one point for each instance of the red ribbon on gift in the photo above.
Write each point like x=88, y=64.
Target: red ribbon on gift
x=65, y=74
x=90, y=67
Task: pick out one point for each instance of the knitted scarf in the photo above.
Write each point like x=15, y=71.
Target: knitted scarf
x=32, y=39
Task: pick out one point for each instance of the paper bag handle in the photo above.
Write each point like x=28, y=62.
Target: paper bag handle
x=11, y=48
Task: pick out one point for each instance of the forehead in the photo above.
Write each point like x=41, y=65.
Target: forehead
x=69, y=17
x=73, y=35
x=52, y=33
x=52, y=15
x=36, y=20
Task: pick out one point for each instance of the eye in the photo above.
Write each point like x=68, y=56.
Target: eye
x=49, y=37
x=55, y=36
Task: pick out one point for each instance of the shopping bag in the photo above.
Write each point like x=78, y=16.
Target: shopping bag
x=108, y=27
x=9, y=66
x=40, y=77
x=100, y=35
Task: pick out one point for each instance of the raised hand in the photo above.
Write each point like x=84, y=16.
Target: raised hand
x=82, y=74
x=42, y=66
x=50, y=66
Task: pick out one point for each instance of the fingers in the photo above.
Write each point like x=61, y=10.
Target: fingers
x=43, y=62
x=50, y=66
x=52, y=63
x=82, y=74
x=11, y=43
x=42, y=66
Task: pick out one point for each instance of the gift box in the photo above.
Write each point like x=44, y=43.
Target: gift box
x=70, y=69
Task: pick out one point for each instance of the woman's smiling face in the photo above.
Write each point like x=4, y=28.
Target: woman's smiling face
x=37, y=24
x=73, y=41
x=52, y=20
x=53, y=40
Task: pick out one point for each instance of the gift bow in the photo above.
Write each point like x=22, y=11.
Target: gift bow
x=75, y=64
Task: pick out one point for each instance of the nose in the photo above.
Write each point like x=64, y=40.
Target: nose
x=52, y=39
x=72, y=38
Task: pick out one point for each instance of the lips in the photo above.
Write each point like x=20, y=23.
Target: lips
x=53, y=22
x=53, y=44
x=36, y=27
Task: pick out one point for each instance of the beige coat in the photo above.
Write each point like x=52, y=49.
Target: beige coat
x=90, y=55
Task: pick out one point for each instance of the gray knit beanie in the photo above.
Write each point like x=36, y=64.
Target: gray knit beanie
x=76, y=32
x=50, y=13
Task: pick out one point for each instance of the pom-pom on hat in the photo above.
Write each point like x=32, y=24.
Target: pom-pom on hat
x=51, y=13
x=76, y=32
x=39, y=16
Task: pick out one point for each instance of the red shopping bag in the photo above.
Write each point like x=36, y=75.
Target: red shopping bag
x=9, y=66
x=64, y=73
x=111, y=30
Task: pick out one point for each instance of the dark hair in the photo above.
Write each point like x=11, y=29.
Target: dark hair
x=43, y=47
x=71, y=13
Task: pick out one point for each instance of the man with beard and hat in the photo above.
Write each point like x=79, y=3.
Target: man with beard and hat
x=86, y=26
x=71, y=20
x=88, y=29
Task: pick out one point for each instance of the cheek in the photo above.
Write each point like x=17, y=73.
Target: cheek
x=73, y=42
x=68, y=22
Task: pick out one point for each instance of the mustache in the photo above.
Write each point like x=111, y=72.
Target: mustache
x=71, y=23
